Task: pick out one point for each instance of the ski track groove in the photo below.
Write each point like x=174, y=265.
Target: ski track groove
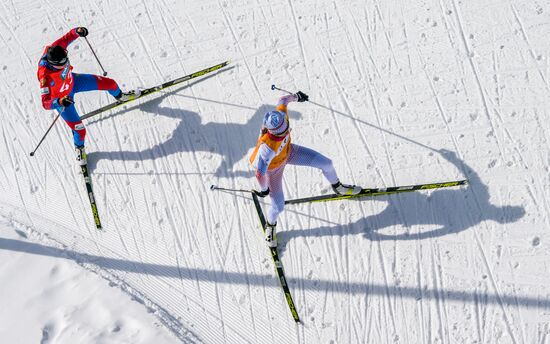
x=419, y=275
x=517, y=305
x=17, y=40
x=440, y=107
x=17, y=182
x=301, y=307
x=526, y=39
x=479, y=318
x=378, y=118
x=338, y=82
x=496, y=78
x=476, y=235
x=458, y=62
x=517, y=149
x=490, y=273
x=169, y=211
x=239, y=219
x=127, y=180
x=406, y=36
x=346, y=156
x=300, y=42
x=439, y=296
x=475, y=73
x=202, y=205
x=302, y=301
x=245, y=60
x=388, y=40
x=348, y=107
x=339, y=131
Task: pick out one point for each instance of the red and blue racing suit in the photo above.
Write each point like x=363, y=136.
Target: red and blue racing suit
x=58, y=83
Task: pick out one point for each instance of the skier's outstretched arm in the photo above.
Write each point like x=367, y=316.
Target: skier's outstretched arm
x=67, y=38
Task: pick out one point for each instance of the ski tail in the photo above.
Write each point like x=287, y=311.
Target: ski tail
x=378, y=192
x=278, y=263
x=91, y=196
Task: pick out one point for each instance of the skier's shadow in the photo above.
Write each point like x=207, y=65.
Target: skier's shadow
x=230, y=140
x=450, y=210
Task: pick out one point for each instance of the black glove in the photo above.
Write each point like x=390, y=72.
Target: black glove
x=66, y=101
x=261, y=194
x=302, y=97
x=82, y=31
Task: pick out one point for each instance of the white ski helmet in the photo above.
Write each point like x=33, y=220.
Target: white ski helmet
x=275, y=122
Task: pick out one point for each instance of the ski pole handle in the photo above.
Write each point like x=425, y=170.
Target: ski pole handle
x=93, y=52
x=44, y=136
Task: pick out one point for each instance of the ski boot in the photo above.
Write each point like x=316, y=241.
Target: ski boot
x=344, y=189
x=126, y=96
x=270, y=236
x=81, y=157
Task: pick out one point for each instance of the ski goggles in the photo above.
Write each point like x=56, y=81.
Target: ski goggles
x=59, y=63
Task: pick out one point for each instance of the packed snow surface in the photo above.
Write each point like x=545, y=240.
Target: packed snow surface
x=401, y=93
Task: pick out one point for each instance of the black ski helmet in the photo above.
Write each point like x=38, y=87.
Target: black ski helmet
x=57, y=56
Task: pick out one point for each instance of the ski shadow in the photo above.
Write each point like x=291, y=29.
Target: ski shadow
x=451, y=211
x=230, y=140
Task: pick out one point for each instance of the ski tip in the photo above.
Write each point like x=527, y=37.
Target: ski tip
x=273, y=87
x=212, y=187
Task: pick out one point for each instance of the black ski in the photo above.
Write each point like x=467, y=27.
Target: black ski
x=278, y=263
x=150, y=90
x=377, y=192
x=91, y=196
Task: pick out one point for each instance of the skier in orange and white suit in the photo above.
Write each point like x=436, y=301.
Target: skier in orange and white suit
x=274, y=151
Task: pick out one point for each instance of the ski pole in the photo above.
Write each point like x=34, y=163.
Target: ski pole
x=43, y=137
x=93, y=52
x=215, y=187
x=273, y=87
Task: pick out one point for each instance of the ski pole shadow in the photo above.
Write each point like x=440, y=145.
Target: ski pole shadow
x=230, y=140
x=451, y=211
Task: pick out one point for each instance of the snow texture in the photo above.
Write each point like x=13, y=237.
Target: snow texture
x=402, y=92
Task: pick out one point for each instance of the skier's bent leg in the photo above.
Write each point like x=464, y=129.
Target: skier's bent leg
x=276, y=194
x=72, y=119
x=90, y=82
x=277, y=207
x=308, y=157
x=303, y=156
x=108, y=84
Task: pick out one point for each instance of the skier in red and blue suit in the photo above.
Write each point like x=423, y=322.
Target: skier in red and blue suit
x=58, y=85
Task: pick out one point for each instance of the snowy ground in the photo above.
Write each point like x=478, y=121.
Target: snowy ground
x=402, y=92
x=46, y=298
